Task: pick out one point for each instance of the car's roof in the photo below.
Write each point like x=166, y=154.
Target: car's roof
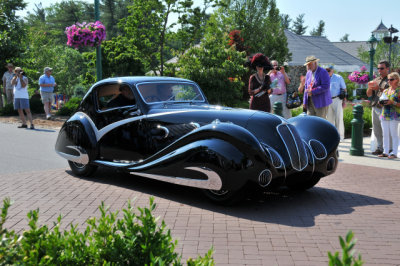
x=139, y=79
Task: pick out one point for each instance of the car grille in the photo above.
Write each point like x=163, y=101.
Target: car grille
x=294, y=146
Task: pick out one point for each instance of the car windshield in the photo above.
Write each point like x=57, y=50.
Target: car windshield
x=170, y=92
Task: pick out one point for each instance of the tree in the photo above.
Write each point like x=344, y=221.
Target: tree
x=215, y=66
x=259, y=24
x=38, y=16
x=192, y=22
x=319, y=30
x=11, y=30
x=64, y=14
x=345, y=38
x=382, y=53
x=298, y=25
x=285, y=20
x=111, y=12
x=146, y=30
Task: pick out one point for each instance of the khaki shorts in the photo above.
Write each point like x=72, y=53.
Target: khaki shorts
x=47, y=97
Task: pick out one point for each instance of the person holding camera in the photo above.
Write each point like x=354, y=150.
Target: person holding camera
x=338, y=93
x=21, y=97
x=390, y=116
x=279, y=91
x=259, y=83
x=374, y=91
x=47, y=84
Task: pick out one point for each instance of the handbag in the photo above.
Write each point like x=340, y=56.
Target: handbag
x=293, y=100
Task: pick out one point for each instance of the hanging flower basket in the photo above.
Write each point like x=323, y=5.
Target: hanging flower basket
x=86, y=34
x=360, y=77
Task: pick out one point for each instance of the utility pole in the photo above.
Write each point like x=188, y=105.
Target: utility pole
x=98, y=48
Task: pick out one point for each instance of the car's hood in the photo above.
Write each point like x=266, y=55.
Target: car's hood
x=205, y=114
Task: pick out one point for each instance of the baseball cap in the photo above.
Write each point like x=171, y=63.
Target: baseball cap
x=47, y=69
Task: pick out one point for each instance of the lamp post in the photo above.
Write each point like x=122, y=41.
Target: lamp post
x=372, y=42
x=98, y=48
x=390, y=40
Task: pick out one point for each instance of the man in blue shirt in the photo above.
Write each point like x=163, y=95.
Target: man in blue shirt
x=47, y=84
x=335, y=110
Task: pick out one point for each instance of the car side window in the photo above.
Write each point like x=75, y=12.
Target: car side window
x=114, y=96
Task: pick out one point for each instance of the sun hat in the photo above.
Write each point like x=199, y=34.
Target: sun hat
x=310, y=59
x=260, y=60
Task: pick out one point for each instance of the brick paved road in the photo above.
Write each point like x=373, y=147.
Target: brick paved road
x=271, y=229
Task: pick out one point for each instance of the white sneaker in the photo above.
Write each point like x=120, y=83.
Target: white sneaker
x=48, y=117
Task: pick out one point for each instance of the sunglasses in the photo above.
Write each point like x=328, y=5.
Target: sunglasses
x=392, y=79
x=381, y=68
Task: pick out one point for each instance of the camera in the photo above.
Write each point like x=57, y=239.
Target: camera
x=383, y=102
x=278, y=68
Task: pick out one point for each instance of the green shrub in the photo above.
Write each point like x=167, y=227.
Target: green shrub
x=79, y=91
x=348, y=258
x=297, y=111
x=70, y=107
x=136, y=239
x=348, y=116
x=8, y=109
x=36, y=106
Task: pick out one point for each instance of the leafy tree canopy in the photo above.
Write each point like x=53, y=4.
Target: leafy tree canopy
x=382, y=53
x=345, y=38
x=319, y=30
x=215, y=66
x=298, y=25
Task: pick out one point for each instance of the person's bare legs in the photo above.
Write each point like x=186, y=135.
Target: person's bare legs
x=22, y=116
x=29, y=115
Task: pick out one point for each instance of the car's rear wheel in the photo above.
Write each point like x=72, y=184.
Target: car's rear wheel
x=82, y=169
x=306, y=184
x=222, y=196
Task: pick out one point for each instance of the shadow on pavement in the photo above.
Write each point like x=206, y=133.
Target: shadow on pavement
x=284, y=206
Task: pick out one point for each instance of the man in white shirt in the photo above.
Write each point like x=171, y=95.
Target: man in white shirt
x=335, y=109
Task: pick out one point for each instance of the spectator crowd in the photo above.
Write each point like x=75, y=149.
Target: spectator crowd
x=324, y=95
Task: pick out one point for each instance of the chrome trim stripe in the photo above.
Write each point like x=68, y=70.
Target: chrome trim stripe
x=213, y=182
x=100, y=133
x=323, y=146
x=269, y=177
x=312, y=155
x=82, y=158
x=269, y=149
x=298, y=151
x=287, y=148
x=111, y=164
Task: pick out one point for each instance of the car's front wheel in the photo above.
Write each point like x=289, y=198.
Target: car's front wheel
x=82, y=169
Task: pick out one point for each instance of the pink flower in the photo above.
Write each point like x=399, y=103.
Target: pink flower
x=85, y=34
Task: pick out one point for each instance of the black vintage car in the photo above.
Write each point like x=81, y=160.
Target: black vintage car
x=164, y=129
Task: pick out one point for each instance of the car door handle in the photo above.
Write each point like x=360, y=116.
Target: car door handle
x=166, y=131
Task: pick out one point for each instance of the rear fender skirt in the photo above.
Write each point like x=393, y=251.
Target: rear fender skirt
x=76, y=140
x=213, y=180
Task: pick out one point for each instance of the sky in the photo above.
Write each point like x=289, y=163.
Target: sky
x=355, y=17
